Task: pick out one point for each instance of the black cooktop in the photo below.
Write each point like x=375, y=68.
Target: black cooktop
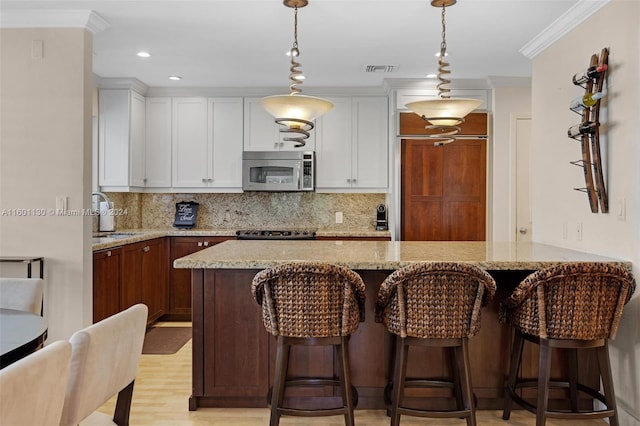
x=275, y=234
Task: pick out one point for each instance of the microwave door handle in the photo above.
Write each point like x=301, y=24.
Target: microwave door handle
x=298, y=176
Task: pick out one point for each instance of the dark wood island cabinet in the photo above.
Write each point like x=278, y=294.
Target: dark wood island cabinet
x=233, y=355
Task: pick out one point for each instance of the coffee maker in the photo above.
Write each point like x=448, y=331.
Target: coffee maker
x=381, y=218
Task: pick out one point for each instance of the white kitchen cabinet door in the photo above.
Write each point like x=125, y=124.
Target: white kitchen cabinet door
x=190, y=161
x=225, y=142
x=333, y=146
x=158, y=143
x=121, y=139
x=137, y=141
x=352, y=145
x=370, y=147
x=262, y=133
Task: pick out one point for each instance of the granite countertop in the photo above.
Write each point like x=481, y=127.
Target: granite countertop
x=105, y=240
x=385, y=255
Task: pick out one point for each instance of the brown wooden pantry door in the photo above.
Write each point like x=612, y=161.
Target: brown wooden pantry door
x=443, y=190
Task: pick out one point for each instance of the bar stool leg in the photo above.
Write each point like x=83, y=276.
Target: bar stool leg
x=514, y=367
x=457, y=383
x=280, y=376
x=607, y=381
x=400, y=371
x=464, y=368
x=573, y=379
x=345, y=380
x=544, y=372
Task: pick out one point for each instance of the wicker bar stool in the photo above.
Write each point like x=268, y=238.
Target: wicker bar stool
x=572, y=306
x=311, y=304
x=437, y=305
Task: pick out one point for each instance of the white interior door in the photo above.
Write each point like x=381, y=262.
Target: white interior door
x=522, y=126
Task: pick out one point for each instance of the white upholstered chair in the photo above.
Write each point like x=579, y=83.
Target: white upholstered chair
x=23, y=294
x=104, y=363
x=32, y=389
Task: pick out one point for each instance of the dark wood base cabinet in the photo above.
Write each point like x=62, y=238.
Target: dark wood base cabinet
x=179, y=303
x=233, y=355
x=106, y=283
x=130, y=274
x=144, y=276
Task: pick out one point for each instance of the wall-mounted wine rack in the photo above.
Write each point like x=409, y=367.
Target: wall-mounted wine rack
x=588, y=131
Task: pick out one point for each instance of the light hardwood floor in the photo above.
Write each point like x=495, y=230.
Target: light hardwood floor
x=163, y=386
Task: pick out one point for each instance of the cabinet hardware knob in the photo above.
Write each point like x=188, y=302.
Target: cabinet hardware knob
x=206, y=243
x=522, y=230
x=199, y=243
x=146, y=249
x=109, y=253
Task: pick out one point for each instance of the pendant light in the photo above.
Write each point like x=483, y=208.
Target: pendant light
x=295, y=112
x=444, y=114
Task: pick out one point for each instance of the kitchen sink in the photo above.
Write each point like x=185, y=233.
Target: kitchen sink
x=110, y=237
x=115, y=234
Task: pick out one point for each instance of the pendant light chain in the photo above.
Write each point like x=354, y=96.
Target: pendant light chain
x=295, y=72
x=443, y=66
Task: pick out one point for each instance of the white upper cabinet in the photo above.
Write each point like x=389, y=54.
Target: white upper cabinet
x=190, y=145
x=352, y=145
x=262, y=133
x=207, y=143
x=225, y=142
x=121, y=139
x=158, y=143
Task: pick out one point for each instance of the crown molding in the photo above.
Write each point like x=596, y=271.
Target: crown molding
x=121, y=83
x=31, y=18
x=577, y=14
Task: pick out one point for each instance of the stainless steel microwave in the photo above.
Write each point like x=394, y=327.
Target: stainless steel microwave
x=278, y=171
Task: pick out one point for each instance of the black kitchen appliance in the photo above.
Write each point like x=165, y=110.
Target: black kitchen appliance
x=381, y=218
x=254, y=234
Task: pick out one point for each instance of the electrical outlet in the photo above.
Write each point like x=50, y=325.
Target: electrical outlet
x=339, y=217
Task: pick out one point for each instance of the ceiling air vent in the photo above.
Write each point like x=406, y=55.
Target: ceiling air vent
x=380, y=68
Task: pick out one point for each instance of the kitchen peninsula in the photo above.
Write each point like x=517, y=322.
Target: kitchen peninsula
x=233, y=354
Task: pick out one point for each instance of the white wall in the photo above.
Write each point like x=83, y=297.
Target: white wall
x=45, y=151
x=509, y=100
x=554, y=202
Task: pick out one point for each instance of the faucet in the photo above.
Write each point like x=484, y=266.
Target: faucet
x=106, y=220
x=104, y=197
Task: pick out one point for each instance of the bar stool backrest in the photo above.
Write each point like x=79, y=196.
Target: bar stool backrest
x=309, y=299
x=581, y=301
x=438, y=300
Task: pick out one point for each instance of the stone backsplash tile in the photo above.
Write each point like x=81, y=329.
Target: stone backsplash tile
x=251, y=210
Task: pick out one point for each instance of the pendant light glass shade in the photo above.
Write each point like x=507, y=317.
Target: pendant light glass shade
x=295, y=107
x=444, y=112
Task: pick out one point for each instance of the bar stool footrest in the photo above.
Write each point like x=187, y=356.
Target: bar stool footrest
x=434, y=413
x=561, y=414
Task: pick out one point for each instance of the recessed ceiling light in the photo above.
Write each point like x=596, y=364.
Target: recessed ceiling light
x=144, y=54
x=175, y=77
